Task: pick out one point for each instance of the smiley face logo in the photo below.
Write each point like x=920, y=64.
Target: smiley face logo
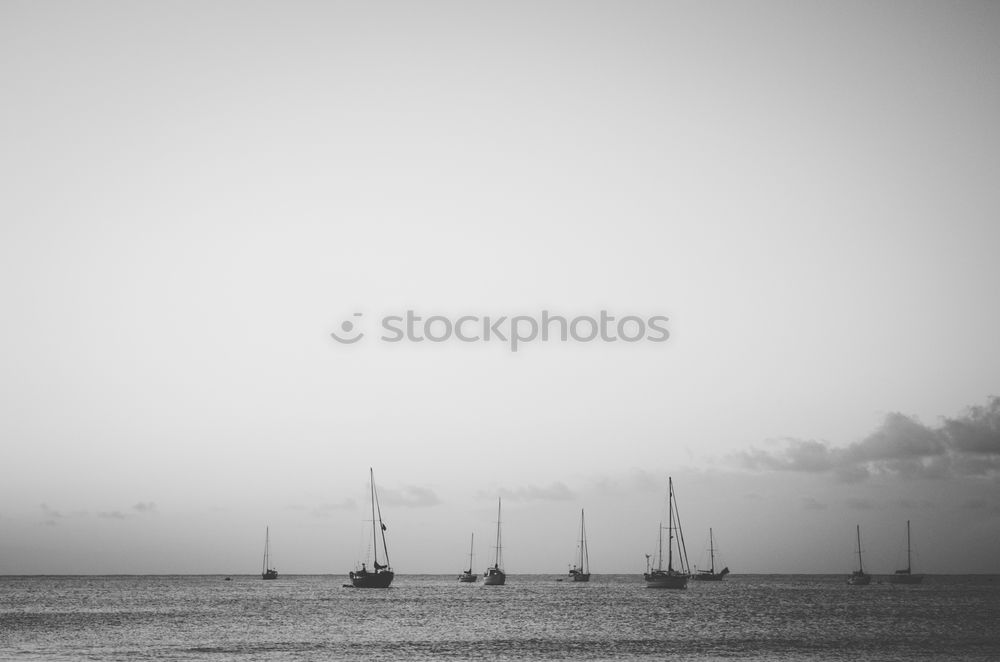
x=347, y=327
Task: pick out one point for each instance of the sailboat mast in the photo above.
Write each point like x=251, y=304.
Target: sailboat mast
x=371, y=480
x=659, y=539
x=711, y=549
x=907, y=546
x=267, y=535
x=681, y=545
x=496, y=558
x=472, y=543
x=860, y=566
x=381, y=526
x=670, y=527
x=584, y=557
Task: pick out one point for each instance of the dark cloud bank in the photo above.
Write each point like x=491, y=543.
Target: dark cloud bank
x=965, y=446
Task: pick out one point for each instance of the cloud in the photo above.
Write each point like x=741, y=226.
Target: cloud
x=967, y=445
x=798, y=455
x=410, y=496
x=860, y=504
x=637, y=480
x=554, y=492
x=900, y=438
x=52, y=516
x=978, y=432
x=329, y=508
x=810, y=503
x=910, y=504
x=976, y=504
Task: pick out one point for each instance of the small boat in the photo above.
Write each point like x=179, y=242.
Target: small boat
x=266, y=572
x=495, y=576
x=906, y=576
x=581, y=572
x=711, y=575
x=859, y=577
x=380, y=576
x=671, y=577
x=467, y=576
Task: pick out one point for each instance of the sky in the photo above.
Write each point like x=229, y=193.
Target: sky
x=195, y=196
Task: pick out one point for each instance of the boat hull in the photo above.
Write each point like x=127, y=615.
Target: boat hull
x=468, y=578
x=494, y=577
x=859, y=579
x=711, y=576
x=660, y=579
x=269, y=574
x=580, y=576
x=380, y=579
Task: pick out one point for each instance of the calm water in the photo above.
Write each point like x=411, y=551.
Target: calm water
x=749, y=617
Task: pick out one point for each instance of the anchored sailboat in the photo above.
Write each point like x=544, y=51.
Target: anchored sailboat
x=671, y=577
x=267, y=572
x=859, y=577
x=495, y=576
x=468, y=576
x=381, y=575
x=711, y=575
x=581, y=572
x=906, y=576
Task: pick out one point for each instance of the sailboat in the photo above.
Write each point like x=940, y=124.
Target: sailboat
x=381, y=575
x=267, y=572
x=468, y=576
x=905, y=576
x=581, y=572
x=495, y=576
x=671, y=577
x=859, y=577
x=711, y=575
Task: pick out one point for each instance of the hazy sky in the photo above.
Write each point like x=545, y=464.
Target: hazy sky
x=193, y=196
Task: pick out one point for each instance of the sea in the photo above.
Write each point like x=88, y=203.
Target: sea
x=533, y=617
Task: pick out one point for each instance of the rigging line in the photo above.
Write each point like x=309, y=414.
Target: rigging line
x=682, y=548
x=385, y=548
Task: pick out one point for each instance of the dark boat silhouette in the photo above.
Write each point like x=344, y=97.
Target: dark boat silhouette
x=671, y=577
x=267, y=572
x=467, y=576
x=906, y=576
x=495, y=576
x=381, y=575
x=859, y=577
x=711, y=575
x=581, y=572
